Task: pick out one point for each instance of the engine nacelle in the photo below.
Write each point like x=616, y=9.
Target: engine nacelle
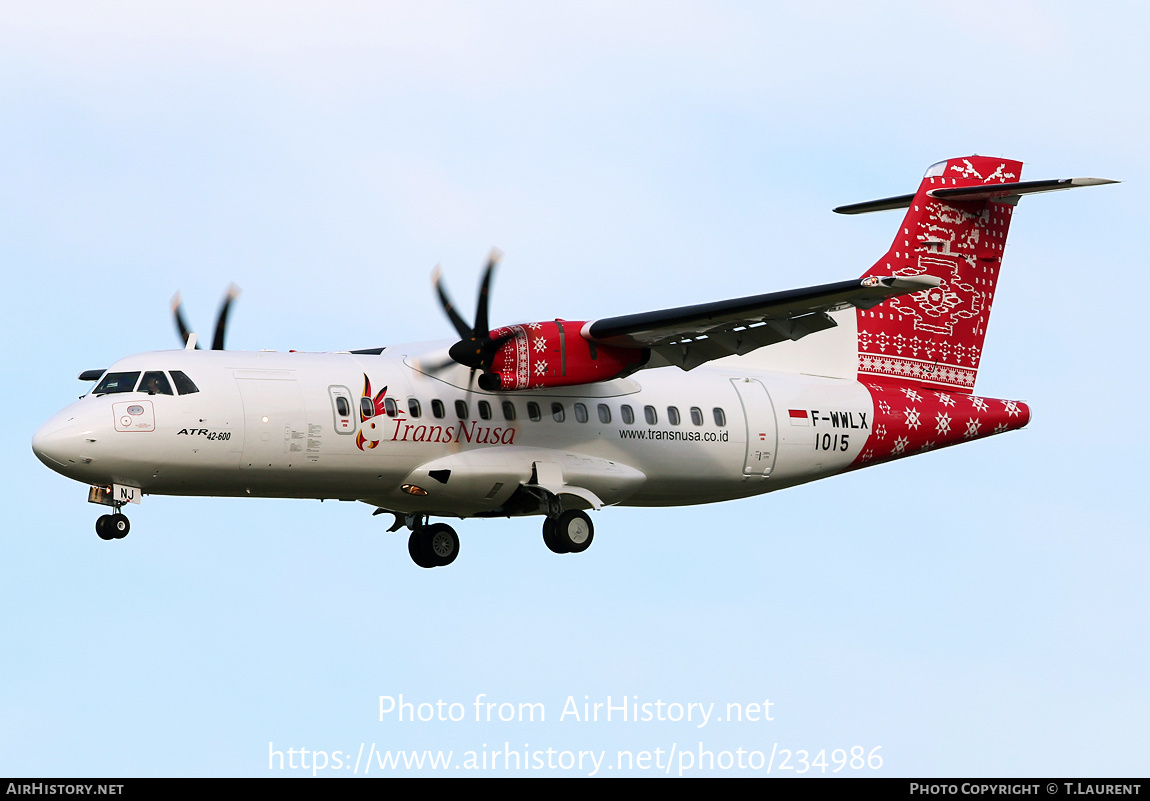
x=555, y=354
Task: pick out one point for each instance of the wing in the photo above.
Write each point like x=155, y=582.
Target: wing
x=692, y=335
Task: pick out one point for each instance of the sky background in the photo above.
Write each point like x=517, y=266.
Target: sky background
x=977, y=611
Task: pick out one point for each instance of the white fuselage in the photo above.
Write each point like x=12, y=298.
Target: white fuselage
x=272, y=424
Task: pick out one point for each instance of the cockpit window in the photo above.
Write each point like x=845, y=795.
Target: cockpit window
x=155, y=383
x=184, y=385
x=116, y=382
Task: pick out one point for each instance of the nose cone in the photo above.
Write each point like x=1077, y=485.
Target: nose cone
x=56, y=444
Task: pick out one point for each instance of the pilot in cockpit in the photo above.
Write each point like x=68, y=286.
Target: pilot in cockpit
x=150, y=384
x=155, y=383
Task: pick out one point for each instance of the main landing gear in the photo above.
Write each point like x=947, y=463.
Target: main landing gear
x=436, y=545
x=113, y=527
x=570, y=532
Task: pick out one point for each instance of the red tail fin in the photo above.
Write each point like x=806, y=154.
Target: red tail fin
x=933, y=338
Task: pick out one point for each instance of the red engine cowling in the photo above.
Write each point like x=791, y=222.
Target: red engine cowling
x=554, y=354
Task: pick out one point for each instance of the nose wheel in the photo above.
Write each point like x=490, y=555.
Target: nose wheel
x=113, y=527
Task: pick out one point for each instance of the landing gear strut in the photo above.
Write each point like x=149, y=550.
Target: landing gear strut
x=570, y=532
x=113, y=527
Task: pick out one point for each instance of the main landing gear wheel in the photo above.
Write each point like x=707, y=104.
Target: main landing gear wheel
x=415, y=549
x=436, y=545
x=571, y=532
x=112, y=527
x=442, y=543
x=550, y=538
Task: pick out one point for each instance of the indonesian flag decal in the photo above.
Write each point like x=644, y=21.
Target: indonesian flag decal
x=377, y=404
x=800, y=417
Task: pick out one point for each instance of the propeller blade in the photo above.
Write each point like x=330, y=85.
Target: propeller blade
x=436, y=366
x=461, y=326
x=222, y=317
x=181, y=323
x=484, y=291
x=476, y=347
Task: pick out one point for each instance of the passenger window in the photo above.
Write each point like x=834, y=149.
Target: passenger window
x=184, y=385
x=485, y=410
x=533, y=411
x=413, y=408
x=557, y=412
x=696, y=415
x=651, y=415
x=437, y=410
x=116, y=382
x=389, y=407
x=508, y=410
x=580, y=412
x=461, y=409
x=628, y=414
x=604, y=413
x=342, y=407
x=673, y=415
x=366, y=408
x=155, y=383
x=720, y=417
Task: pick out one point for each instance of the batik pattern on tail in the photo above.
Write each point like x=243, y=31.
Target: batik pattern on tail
x=933, y=339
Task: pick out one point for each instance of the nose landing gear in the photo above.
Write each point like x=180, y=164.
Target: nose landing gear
x=112, y=527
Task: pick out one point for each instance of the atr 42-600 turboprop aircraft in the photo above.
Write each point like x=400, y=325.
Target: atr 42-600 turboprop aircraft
x=566, y=416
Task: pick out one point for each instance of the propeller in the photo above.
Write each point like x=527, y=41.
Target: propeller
x=221, y=318
x=476, y=347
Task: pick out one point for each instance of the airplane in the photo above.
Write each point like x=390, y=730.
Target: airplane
x=690, y=405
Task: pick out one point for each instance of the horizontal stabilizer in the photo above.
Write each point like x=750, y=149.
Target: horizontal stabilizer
x=886, y=204
x=1003, y=193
